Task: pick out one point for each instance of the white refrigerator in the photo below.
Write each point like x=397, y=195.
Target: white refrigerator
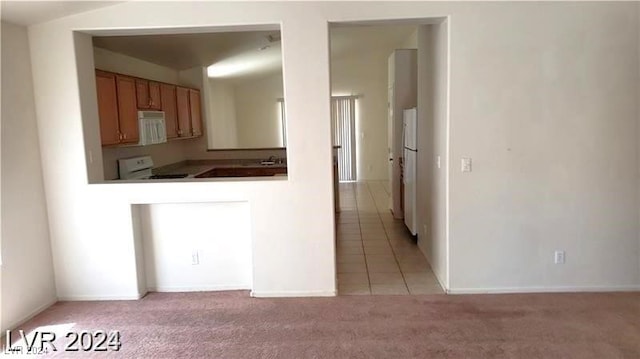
x=409, y=173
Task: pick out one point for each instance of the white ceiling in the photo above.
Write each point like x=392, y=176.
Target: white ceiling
x=33, y=12
x=241, y=55
x=183, y=51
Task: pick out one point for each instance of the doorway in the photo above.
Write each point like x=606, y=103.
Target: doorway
x=343, y=121
x=376, y=253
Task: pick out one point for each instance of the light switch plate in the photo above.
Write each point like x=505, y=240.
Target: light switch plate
x=438, y=162
x=466, y=164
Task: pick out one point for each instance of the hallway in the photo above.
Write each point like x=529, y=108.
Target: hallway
x=376, y=254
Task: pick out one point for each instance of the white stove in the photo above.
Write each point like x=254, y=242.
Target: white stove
x=141, y=167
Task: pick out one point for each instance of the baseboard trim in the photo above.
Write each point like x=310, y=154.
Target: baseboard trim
x=292, y=294
x=81, y=298
x=440, y=281
x=437, y=273
x=31, y=314
x=211, y=288
x=438, y=276
x=562, y=289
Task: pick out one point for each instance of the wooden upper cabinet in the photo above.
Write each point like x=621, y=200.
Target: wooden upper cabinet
x=184, y=112
x=170, y=108
x=107, y=108
x=148, y=95
x=127, y=109
x=121, y=96
x=142, y=93
x=155, y=100
x=196, y=112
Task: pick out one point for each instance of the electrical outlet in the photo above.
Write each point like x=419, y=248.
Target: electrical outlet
x=195, y=257
x=438, y=162
x=466, y=164
x=90, y=156
x=559, y=257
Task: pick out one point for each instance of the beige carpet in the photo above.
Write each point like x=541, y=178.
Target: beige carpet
x=233, y=325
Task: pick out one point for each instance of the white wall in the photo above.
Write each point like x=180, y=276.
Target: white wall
x=115, y=62
x=411, y=42
x=638, y=143
x=193, y=77
x=27, y=269
x=365, y=74
x=257, y=112
x=550, y=125
x=432, y=41
x=286, y=262
x=548, y=115
x=220, y=234
x=222, y=123
x=1, y=326
x=245, y=114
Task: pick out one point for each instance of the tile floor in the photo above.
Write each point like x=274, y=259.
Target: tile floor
x=376, y=254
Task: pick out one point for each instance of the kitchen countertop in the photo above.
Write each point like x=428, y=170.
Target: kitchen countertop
x=194, y=168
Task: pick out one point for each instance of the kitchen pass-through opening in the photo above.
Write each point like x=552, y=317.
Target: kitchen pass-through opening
x=180, y=105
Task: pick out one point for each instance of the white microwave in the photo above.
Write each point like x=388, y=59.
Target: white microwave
x=152, y=127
